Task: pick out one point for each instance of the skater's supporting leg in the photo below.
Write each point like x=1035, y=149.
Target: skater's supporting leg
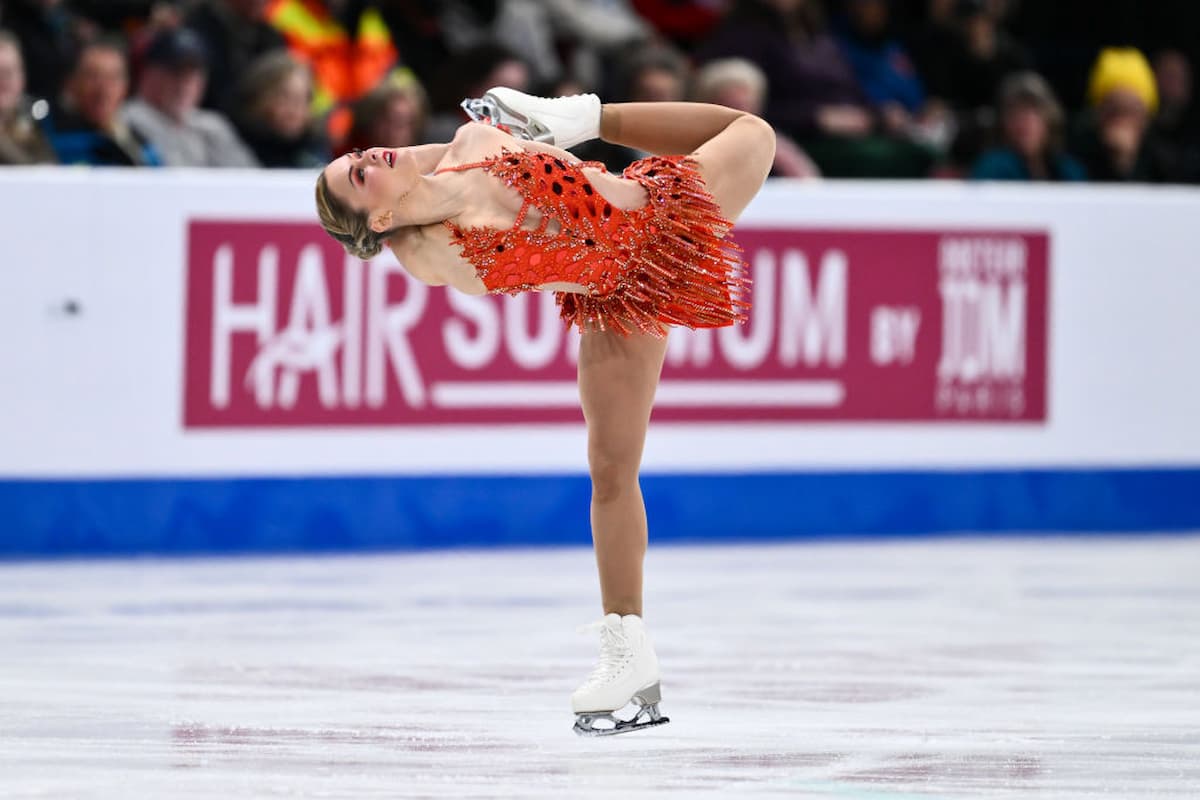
x=617, y=378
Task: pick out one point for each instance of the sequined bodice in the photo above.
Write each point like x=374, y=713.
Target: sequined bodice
x=594, y=237
x=667, y=262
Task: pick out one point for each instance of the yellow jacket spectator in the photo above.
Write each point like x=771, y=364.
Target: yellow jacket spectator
x=345, y=65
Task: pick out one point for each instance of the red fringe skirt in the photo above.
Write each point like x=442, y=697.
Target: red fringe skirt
x=684, y=271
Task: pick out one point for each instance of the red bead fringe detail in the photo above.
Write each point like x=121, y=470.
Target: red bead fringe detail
x=684, y=273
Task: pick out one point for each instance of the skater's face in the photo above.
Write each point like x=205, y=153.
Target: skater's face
x=374, y=182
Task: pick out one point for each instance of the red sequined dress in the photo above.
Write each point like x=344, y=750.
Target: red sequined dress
x=664, y=263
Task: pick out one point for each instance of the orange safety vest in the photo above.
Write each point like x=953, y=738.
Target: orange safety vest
x=344, y=68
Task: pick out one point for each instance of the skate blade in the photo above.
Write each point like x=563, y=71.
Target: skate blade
x=646, y=717
x=490, y=110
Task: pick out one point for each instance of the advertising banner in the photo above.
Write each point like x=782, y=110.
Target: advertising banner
x=284, y=329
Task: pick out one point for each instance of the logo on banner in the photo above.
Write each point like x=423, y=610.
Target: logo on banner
x=984, y=290
x=284, y=329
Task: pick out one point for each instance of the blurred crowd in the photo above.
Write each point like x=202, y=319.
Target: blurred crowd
x=1050, y=90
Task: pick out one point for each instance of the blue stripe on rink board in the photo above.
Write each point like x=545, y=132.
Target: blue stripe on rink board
x=229, y=515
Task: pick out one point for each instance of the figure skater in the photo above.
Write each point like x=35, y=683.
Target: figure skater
x=503, y=208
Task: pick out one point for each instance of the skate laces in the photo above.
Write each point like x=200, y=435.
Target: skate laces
x=615, y=652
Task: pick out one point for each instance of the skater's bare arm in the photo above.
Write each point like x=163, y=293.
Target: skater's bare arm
x=734, y=149
x=672, y=128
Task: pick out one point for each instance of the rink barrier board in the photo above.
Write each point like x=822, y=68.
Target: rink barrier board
x=199, y=369
x=63, y=518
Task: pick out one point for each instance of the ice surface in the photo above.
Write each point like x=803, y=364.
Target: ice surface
x=889, y=671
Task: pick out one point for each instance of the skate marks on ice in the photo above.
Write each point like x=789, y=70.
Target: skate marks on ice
x=908, y=671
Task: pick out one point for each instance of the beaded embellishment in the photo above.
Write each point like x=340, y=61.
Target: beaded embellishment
x=664, y=263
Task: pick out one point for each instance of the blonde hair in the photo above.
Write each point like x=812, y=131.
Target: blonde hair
x=716, y=75
x=351, y=228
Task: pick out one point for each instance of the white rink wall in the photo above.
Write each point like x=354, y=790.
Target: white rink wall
x=960, y=331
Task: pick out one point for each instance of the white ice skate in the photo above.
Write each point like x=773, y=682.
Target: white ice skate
x=627, y=673
x=561, y=121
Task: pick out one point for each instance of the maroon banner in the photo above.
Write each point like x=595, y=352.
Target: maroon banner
x=848, y=325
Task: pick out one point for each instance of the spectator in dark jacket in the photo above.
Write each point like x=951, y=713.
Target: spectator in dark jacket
x=1031, y=131
x=272, y=113
x=88, y=128
x=1114, y=139
x=22, y=140
x=235, y=33
x=983, y=55
x=812, y=90
x=962, y=53
x=813, y=95
x=49, y=42
x=880, y=62
x=1177, y=125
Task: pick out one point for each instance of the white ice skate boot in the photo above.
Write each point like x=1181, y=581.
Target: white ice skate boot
x=627, y=672
x=561, y=121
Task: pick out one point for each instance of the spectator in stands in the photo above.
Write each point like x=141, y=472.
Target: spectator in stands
x=812, y=93
x=470, y=74
x=737, y=83
x=1114, y=138
x=811, y=89
x=656, y=74
x=931, y=41
x=684, y=22
x=272, y=103
x=594, y=32
x=22, y=140
x=416, y=29
x=393, y=115
x=165, y=113
x=49, y=34
x=550, y=35
x=1031, y=130
x=235, y=33
x=880, y=62
x=965, y=54
x=1178, y=122
x=88, y=128
x=348, y=54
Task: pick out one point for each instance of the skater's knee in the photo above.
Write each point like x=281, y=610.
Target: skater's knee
x=613, y=473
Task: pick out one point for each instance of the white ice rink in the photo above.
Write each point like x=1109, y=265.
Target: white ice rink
x=909, y=671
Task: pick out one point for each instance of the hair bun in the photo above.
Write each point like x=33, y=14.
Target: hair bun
x=366, y=248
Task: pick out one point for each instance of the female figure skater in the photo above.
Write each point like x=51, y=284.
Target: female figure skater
x=628, y=256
